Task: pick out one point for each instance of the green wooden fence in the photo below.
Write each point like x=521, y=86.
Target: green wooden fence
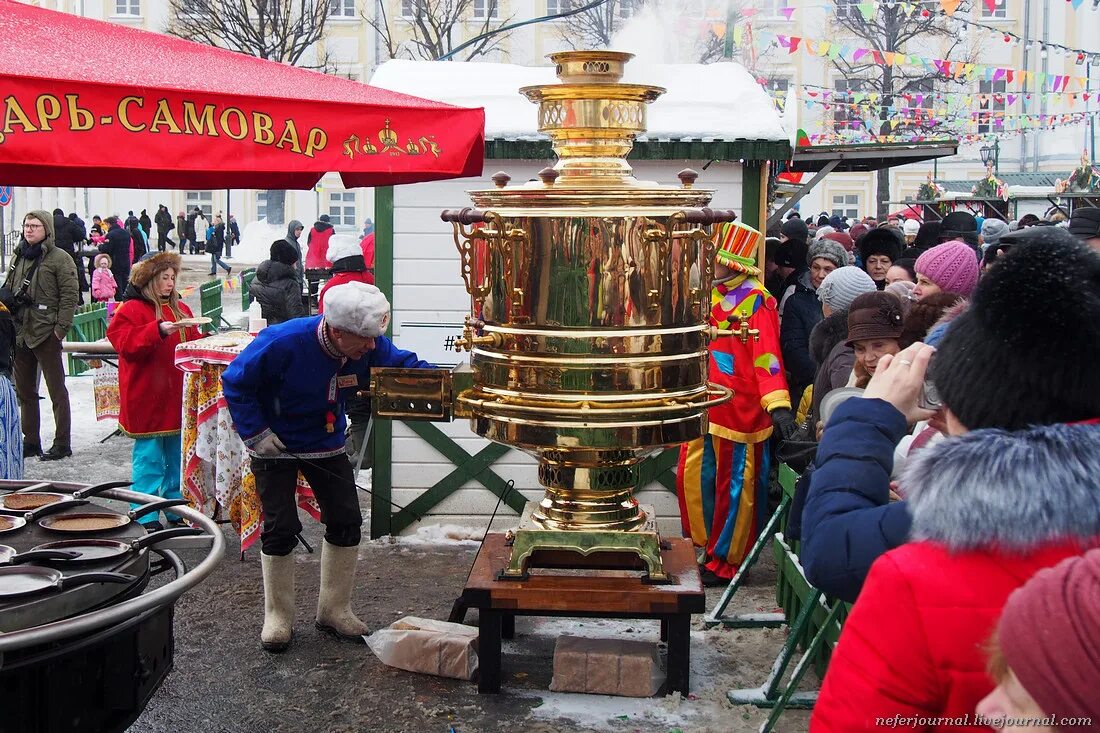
x=210, y=305
x=89, y=324
x=246, y=279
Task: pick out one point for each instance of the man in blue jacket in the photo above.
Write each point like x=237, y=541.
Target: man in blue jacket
x=286, y=393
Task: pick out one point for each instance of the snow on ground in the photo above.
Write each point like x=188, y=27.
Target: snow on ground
x=256, y=239
x=439, y=535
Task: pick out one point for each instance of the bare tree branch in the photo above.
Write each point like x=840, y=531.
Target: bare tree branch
x=279, y=30
x=430, y=29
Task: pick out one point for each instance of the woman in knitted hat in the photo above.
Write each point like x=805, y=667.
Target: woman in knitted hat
x=801, y=311
x=951, y=267
x=828, y=341
x=1011, y=491
x=145, y=331
x=878, y=250
x=1045, y=654
x=874, y=326
x=276, y=285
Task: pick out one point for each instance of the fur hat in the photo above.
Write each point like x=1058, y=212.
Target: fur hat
x=911, y=227
x=343, y=245
x=1049, y=635
x=282, y=251
x=953, y=266
x=1032, y=334
x=874, y=315
x=357, y=307
x=827, y=249
x=923, y=314
x=792, y=253
x=880, y=241
x=102, y=256
x=993, y=230
x=146, y=270
x=960, y=222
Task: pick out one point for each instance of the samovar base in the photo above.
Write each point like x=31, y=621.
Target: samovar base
x=536, y=547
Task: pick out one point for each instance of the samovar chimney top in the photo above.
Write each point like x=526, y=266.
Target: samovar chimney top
x=590, y=67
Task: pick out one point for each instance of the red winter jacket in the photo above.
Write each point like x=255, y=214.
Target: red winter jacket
x=983, y=523
x=317, y=246
x=339, y=279
x=150, y=385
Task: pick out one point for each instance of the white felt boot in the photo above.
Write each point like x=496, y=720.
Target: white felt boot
x=278, y=602
x=334, y=602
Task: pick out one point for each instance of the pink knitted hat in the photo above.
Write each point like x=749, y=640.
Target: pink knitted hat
x=952, y=265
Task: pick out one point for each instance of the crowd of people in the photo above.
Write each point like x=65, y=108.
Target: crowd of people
x=963, y=480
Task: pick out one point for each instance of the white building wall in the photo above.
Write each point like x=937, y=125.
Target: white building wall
x=428, y=289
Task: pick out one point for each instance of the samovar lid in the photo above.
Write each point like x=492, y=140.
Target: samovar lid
x=592, y=120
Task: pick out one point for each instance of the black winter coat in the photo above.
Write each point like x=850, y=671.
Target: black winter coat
x=833, y=358
x=216, y=244
x=118, y=247
x=66, y=234
x=277, y=289
x=801, y=312
x=163, y=221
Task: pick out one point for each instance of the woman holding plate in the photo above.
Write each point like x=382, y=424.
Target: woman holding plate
x=145, y=331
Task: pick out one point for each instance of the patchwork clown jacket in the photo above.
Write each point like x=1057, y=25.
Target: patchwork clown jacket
x=751, y=367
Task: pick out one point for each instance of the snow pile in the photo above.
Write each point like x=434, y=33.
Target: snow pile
x=256, y=239
x=440, y=534
x=703, y=101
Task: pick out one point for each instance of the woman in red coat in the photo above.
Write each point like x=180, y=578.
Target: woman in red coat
x=1013, y=490
x=145, y=331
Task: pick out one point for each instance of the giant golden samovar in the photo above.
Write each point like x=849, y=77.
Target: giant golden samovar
x=588, y=331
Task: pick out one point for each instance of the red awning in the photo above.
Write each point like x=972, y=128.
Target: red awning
x=90, y=103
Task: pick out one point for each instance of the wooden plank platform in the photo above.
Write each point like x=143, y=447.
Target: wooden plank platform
x=591, y=594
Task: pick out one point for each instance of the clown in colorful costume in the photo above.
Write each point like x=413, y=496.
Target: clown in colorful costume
x=722, y=478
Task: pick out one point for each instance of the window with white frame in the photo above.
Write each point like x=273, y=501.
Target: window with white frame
x=627, y=8
x=845, y=108
x=341, y=8
x=202, y=199
x=775, y=8
x=998, y=10
x=341, y=209
x=409, y=8
x=261, y=205
x=991, y=105
x=128, y=7
x=846, y=204
x=486, y=8
x=847, y=8
x=553, y=7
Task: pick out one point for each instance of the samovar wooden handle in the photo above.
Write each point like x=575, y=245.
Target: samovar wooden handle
x=466, y=216
x=709, y=216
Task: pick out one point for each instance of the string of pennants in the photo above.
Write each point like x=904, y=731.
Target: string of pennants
x=958, y=70
x=868, y=8
x=861, y=135
x=925, y=102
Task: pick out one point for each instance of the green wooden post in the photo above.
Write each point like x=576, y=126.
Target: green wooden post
x=382, y=462
x=246, y=279
x=752, y=174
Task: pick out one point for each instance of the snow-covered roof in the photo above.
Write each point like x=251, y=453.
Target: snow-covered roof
x=703, y=101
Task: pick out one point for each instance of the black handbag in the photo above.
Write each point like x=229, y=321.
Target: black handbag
x=800, y=449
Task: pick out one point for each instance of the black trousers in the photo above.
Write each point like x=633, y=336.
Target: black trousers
x=333, y=484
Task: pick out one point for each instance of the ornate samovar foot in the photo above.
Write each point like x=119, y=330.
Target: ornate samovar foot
x=534, y=546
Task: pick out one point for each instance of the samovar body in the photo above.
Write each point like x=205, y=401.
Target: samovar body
x=588, y=328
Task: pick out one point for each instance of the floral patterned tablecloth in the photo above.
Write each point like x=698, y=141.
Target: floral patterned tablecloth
x=216, y=467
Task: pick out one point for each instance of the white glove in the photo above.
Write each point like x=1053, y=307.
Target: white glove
x=269, y=446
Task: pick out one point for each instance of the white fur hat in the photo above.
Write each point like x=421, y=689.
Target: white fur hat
x=357, y=307
x=341, y=246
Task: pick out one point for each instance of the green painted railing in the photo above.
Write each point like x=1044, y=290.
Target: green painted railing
x=246, y=279
x=210, y=304
x=89, y=324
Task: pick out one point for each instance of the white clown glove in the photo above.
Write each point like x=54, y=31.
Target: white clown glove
x=270, y=445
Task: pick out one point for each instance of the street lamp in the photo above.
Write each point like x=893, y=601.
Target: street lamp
x=992, y=153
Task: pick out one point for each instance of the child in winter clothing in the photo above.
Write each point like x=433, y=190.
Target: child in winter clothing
x=103, y=280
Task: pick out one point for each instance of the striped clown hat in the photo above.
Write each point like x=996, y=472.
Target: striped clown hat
x=736, y=246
